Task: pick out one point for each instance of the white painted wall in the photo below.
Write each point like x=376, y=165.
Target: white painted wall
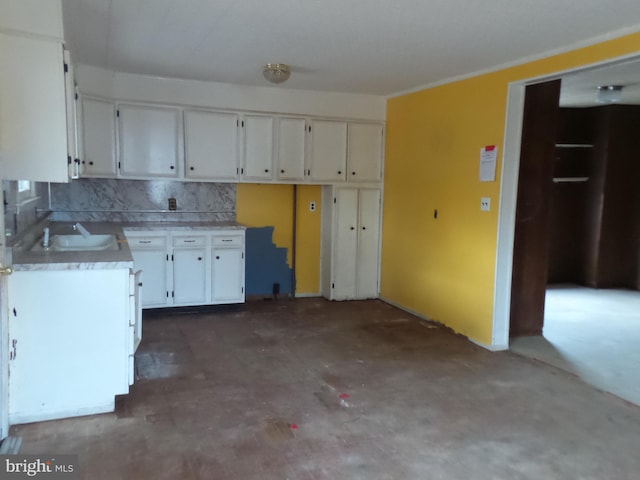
x=123, y=86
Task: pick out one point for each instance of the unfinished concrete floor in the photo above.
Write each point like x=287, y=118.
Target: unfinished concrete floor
x=309, y=389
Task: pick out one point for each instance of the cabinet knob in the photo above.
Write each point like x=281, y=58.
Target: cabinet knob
x=217, y=257
x=172, y=167
x=199, y=258
x=139, y=284
x=352, y=228
x=266, y=170
x=364, y=228
x=191, y=168
x=90, y=163
x=282, y=171
x=339, y=172
x=353, y=173
x=83, y=162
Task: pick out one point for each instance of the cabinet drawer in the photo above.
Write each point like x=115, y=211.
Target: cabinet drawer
x=138, y=243
x=189, y=241
x=227, y=241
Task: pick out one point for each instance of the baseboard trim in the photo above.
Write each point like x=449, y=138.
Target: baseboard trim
x=491, y=348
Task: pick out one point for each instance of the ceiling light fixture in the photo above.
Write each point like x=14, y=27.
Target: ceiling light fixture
x=609, y=93
x=276, y=72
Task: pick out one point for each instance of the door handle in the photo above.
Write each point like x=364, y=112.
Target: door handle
x=6, y=270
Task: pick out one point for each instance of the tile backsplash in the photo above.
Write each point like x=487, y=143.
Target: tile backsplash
x=93, y=199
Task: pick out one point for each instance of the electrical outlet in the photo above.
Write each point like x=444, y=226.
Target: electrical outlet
x=173, y=204
x=485, y=204
x=312, y=206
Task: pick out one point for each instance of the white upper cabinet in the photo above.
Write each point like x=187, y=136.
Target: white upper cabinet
x=364, y=157
x=290, y=147
x=98, y=140
x=33, y=111
x=328, y=151
x=148, y=141
x=72, y=118
x=258, y=147
x=211, y=145
x=32, y=16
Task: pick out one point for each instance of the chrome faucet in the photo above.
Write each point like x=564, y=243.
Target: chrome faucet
x=83, y=231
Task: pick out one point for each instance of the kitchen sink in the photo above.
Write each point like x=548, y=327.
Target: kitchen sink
x=78, y=243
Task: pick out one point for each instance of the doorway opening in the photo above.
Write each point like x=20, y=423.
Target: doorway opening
x=588, y=210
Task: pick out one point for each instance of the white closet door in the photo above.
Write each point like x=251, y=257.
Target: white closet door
x=368, y=244
x=346, y=247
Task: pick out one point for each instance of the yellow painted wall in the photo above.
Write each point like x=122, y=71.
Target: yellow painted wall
x=444, y=268
x=259, y=205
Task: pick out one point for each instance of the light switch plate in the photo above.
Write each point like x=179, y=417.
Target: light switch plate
x=485, y=204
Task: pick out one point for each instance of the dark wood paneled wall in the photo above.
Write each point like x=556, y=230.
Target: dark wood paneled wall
x=595, y=226
x=531, y=239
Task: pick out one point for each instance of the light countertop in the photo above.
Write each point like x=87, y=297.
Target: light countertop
x=24, y=259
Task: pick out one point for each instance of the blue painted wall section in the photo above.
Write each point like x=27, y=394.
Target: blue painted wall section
x=265, y=263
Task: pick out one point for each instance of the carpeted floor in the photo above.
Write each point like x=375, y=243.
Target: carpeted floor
x=594, y=334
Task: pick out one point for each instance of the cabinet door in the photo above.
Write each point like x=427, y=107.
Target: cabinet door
x=346, y=245
x=211, y=145
x=328, y=151
x=227, y=275
x=365, y=152
x=150, y=256
x=98, y=156
x=72, y=120
x=148, y=141
x=33, y=110
x=290, y=147
x=189, y=276
x=258, y=147
x=368, y=244
x=77, y=328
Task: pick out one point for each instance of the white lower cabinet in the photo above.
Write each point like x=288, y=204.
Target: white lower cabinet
x=189, y=270
x=227, y=269
x=149, y=252
x=183, y=269
x=70, y=342
x=350, y=243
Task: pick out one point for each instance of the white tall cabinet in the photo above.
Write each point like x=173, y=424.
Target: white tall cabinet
x=350, y=242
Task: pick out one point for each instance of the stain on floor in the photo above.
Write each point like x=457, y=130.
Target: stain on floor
x=309, y=389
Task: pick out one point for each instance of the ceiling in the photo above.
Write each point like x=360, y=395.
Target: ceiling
x=378, y=47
